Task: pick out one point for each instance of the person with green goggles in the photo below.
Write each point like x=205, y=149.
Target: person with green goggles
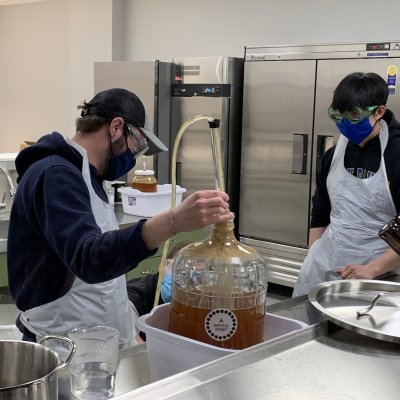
x=357, y=188
x=355, y=123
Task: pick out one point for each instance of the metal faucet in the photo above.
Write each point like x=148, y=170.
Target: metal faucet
x=10, y=184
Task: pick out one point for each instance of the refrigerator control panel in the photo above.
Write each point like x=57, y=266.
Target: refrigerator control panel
x=205, y=90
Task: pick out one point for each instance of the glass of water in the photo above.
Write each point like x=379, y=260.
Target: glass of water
x=92, y=369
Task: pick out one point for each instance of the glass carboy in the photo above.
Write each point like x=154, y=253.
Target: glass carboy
x=219, y=291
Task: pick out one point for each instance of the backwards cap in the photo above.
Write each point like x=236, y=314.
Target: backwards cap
x=122, y=103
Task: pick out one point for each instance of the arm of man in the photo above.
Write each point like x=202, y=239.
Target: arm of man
x=62, y=215
x=198, y=210
x=386, y=262
x=321, y=204
x=315, y=234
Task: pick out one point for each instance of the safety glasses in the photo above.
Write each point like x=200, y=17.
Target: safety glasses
x=354, y=116
x=140, y=145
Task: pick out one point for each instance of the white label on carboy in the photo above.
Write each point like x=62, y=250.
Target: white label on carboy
x=220, y=324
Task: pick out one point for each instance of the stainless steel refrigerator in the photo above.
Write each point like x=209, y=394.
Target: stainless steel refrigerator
x=287, y=91
x=211, y=86
x=151, y=82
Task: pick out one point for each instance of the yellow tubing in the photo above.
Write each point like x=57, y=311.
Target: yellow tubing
x=219, y=177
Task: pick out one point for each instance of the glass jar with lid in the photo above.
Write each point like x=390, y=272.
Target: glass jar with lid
x=144, y=180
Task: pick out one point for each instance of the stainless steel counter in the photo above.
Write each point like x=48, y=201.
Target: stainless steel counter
x=133, y=370
x=123, y=219
x=320, y=362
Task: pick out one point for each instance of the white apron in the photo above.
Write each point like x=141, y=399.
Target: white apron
x=86, y=304
x=359, y=208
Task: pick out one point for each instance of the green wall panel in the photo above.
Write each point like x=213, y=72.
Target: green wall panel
x=3, y=270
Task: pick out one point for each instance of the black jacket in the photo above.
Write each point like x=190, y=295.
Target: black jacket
x=360, y=161
x=53, y=235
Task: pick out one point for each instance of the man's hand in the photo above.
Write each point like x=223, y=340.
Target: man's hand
x=355, y=271
x=388, y=261
x=200, y=209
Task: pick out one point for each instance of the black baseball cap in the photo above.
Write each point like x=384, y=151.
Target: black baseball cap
x=122, y=103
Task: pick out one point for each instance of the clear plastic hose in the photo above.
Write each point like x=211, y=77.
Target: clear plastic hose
x=219, y=179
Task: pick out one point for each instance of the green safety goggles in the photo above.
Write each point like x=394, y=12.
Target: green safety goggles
x=354, y=116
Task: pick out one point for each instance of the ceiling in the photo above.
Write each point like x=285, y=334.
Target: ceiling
x=15, y=2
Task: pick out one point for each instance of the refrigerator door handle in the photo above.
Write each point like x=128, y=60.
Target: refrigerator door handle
x=220, y=69
x=324, y=142
x=300, y=153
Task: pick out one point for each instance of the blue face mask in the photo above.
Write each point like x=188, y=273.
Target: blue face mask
x=356, y=133
x=120, y=164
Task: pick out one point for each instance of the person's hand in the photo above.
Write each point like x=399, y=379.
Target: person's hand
x=197, y=211
x=200, y=209
x=355, y=271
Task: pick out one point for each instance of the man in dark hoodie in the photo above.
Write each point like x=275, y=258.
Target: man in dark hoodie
x=357, y=188
x=66, y=257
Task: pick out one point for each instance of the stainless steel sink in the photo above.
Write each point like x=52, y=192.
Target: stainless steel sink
x=4, y=228
x=4, y=222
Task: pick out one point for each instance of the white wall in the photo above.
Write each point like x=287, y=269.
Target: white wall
x=47, y=50
x=163, y=29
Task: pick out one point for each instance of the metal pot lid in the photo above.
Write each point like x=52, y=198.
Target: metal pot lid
x=341, y=301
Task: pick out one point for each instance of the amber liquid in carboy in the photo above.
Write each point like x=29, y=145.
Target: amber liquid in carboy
x=189, y=321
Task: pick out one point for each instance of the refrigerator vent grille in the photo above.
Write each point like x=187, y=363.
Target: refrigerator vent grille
x=191, y=70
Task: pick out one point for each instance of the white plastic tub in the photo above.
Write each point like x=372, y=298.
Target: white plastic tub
x=170, y=353
x=144, y=204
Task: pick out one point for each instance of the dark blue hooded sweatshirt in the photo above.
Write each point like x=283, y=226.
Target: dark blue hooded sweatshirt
x=53, y=236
